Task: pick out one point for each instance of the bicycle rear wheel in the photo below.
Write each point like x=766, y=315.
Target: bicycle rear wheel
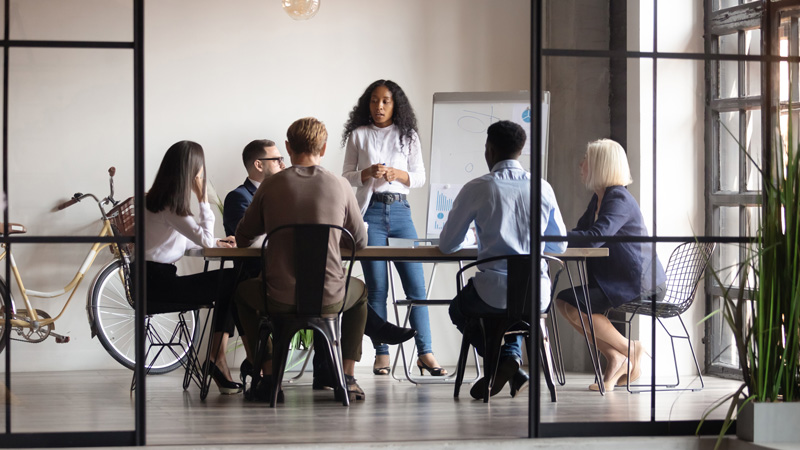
x=114, y=322
x=3, y=329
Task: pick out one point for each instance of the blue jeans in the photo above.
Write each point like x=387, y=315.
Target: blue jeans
x=469, y=304
x=387, y=221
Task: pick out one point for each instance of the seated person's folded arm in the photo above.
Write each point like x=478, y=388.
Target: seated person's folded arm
x=235, y=206
x=612, y=216
x=454, y=234
x=555, y=227
x=353, y=222
x=200, y=232
x=251, y=226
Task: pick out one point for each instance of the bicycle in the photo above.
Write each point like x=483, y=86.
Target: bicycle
x=109, y=303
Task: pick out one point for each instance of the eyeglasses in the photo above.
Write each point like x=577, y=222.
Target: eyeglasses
x=277, y=158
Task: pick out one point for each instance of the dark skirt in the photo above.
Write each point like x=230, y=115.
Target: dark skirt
x=168, y=292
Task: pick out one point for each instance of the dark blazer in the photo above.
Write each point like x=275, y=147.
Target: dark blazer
x=625, y=274
x=236, y=202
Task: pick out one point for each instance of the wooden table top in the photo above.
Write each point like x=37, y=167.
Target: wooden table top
x=421, y=253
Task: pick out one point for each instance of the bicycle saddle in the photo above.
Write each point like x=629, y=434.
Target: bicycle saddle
x=13, y=228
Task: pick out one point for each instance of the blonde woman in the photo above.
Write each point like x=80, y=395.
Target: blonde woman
x=626, y=274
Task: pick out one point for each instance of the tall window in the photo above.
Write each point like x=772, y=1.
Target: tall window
x=733, y=130
x=739, y=93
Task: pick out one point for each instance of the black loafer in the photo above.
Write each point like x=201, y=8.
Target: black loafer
x=391, y=334
x=323, y=383
x=507, y=369
x=519, y=382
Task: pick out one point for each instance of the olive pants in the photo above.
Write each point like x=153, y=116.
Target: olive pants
x=252, y=307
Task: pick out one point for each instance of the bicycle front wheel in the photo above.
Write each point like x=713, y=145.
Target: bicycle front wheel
x=114, y=322
x=3, y=329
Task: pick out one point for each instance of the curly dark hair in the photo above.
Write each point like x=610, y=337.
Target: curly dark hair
x=403, y=115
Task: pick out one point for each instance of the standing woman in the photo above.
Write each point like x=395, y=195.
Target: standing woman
x=170, y=231
x=627, y=273
x=383, y=161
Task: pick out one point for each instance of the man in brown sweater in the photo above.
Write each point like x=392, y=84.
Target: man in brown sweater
x=304, y=193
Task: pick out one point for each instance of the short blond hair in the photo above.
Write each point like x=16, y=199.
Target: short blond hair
x=607, y=164
x=307, y=135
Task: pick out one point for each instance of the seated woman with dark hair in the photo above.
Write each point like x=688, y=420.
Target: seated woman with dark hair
x=627, y=273
x=170, y=231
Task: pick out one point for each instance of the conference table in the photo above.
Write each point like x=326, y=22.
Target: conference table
x=432, y=254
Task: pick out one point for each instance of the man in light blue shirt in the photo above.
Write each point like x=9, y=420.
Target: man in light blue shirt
x=499, y=205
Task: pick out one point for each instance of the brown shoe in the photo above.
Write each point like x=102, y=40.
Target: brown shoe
x=353, y=389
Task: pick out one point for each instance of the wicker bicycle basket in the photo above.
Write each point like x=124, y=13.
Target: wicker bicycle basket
x=122, y=222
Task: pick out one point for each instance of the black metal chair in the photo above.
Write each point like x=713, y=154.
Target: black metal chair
x=181, y=332
x=686, y=266
x=554, y=338
x=308, y=259
x=515, y=320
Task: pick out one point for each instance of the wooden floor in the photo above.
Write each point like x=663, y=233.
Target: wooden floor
x=393, y=411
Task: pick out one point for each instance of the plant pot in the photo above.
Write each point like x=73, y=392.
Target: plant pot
x=764, y=422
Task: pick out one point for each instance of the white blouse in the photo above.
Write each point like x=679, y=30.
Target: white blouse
x=168, y=235
x=370, y=145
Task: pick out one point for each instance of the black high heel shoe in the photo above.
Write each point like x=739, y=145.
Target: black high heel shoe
x=225, y=386
x=434, y=371
x=245, y=370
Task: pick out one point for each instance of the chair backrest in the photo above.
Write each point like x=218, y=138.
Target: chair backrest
x=309, y=261
x=554, y=277
x=518, y=293
x=684, y=270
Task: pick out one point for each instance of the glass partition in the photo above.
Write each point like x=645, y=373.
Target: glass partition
x=694, y=162
x=67, y=71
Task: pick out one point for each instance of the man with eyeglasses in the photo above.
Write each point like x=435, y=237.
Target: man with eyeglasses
x=261, y=159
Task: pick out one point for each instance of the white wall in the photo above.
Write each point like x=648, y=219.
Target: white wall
x=222, y=74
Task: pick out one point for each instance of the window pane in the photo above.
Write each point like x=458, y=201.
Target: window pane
x=752, y=216
x=729, y=70
x=729, y=151
x=78, y=20
x=784, y=71
x=728, y=79
x=728, y=253
x=753, y=42
x=729, y=44
x=753, y=79
x=753, y=68
x=753, y=150
x=725, y=348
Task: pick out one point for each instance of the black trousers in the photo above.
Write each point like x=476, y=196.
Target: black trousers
x=168, y=292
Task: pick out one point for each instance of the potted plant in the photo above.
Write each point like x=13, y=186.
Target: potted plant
x=766, y=329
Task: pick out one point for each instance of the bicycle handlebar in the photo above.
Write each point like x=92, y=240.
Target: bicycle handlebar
x=67, y=203
x=110, y=199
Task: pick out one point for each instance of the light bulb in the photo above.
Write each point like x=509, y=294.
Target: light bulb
x=300, y=9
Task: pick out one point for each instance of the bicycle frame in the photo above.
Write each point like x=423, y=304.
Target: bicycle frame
x=34, y=321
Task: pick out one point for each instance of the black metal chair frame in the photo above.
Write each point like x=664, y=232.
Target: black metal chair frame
x=685, y=268
x=310, y=241
x=409, y=303
x=514, y=321
x=181, y=331
x=559, y=373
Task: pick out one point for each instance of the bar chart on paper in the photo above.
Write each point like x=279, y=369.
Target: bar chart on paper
x=439, y=205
